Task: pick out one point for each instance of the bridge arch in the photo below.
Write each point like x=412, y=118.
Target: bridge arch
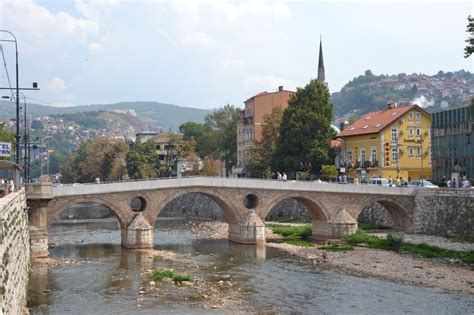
x=58, y=206
x=316, y=209
x=398, y=211
x=232, y=215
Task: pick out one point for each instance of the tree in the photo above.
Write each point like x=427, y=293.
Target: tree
x=469, y=49
x=201, y=134
x=223, y=123
x=143, y=162
x=263, y=150
x=305, y=131
x=94, y=157
x=328, y=172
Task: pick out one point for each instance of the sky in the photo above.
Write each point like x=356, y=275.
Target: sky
x=208, y=53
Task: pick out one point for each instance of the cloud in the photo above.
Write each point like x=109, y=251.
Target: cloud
x=268, y=81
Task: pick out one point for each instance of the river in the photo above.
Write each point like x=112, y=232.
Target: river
x=97, y=276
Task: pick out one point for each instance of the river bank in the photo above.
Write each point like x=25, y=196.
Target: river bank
x=403, y=268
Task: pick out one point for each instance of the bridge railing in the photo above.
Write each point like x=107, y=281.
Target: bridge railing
x=220, y=182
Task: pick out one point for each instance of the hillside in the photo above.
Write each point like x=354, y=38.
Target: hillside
x=371, y=92
x=158, y=115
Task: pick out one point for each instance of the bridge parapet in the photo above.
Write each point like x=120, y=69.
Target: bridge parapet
x=213, y=182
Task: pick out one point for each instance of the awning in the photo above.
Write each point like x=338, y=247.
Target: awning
x=5, y=164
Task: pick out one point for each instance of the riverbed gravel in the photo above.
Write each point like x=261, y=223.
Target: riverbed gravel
x=445, y=274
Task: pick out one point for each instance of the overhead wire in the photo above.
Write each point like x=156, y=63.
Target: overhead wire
x=6, y=69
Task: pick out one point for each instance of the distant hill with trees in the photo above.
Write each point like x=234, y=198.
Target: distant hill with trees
x=369, y=92
x=159, y=115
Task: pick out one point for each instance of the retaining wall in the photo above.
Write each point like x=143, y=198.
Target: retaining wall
x=445, y=212
x=14, y=253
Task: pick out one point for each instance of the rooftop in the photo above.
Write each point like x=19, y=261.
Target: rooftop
x=375, y=122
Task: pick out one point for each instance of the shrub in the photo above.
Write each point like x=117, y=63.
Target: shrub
x=395, y=242
x=163, y=273
x=303, y=231
x=177, y=278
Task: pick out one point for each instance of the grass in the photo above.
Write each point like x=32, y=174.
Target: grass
x=159, y=275
x=370, y=226
x=303, y=231
x=396, y=243
x=294, y=235
x=337, y=248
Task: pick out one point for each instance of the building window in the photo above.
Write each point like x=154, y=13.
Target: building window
x=418, y=132
x=349, y=156
x=419, y=152
x=411, y=151
x=411, y=131
x=373, y=157
x=418, y=116
x=362, y=156
x=394, y=134
x=394, y=155
x=410, y=116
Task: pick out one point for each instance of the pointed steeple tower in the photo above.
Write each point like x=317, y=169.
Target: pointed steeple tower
x=321, y=75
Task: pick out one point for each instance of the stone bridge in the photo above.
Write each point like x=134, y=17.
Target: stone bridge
x=334, y=208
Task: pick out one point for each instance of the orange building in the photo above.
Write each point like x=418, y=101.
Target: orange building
x=249, y=127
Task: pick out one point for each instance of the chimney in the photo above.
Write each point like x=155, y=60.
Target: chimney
x=280, y=88
x=391, y=105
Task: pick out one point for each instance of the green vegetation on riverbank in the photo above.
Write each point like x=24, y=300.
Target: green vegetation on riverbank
x=295, y=235
x=396, y=243
x=371, y=226
x=159, y=275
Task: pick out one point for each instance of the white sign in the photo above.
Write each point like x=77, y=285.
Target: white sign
x=5, y=149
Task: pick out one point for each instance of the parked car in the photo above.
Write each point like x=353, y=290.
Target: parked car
x=378, y=181
x=421, y=183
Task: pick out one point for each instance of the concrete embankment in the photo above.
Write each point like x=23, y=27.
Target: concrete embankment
x=14, y=253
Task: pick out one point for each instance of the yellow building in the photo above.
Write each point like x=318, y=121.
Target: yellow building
x=393, y=142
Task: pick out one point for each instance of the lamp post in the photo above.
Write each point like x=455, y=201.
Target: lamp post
x=17, y=135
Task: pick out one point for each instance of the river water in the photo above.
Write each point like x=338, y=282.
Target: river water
x=98, y=276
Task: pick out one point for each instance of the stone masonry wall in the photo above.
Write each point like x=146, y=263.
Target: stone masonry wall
x=14, y=253
x=445, y=212
x=376, y=214
x=200, y=206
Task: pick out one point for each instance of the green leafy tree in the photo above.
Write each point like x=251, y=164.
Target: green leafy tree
x=143, y=161
x=202, y=135
x=223, y=123
x=328, y=172
x=93, y=158
x=469, y=49
x=305, y=131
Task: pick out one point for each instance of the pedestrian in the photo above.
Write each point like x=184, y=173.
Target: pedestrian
x=284, y=177
x=97, y=180
x=11, y=185
x=344, y=179
x=448, y=183
x=466, y=183
x=453, y=183
x=279, y=177
x=444, y=182
x=390, y=181
x=356, y=180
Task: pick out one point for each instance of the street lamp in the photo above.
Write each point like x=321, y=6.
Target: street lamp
x=17, y=135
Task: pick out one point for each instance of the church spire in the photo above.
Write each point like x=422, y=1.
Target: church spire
x=321, y=75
